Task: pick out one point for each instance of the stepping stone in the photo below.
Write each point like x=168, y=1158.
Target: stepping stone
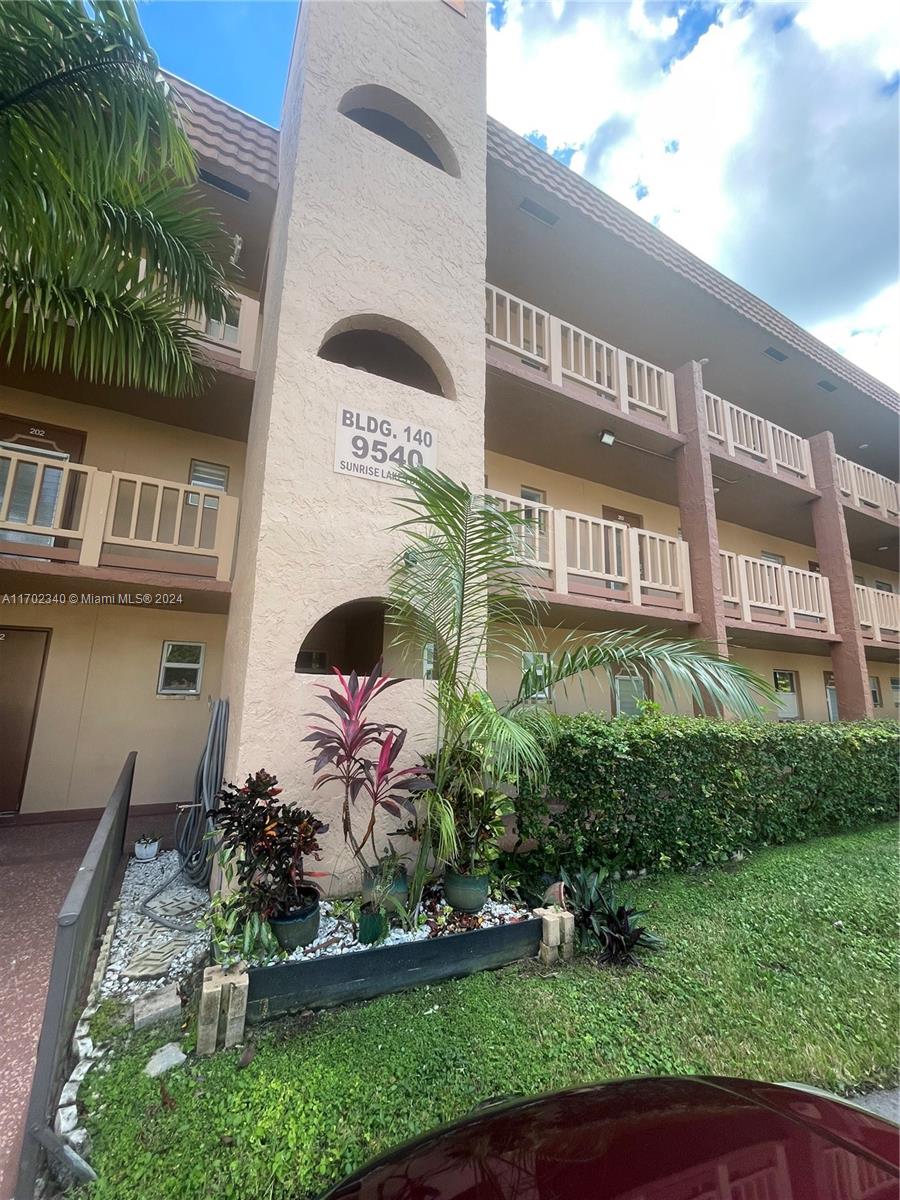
x=162, y=1005
x=155, y=961
x=165, y=1058
x=177, y=906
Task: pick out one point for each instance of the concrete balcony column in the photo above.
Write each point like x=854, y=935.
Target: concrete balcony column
x=848, y=657
x=697, y=505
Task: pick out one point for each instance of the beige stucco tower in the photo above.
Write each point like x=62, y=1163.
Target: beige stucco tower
x=377, y=260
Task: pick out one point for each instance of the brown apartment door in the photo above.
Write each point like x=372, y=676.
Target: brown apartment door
x=612, y=513
x=35, y=435
x=22, y=656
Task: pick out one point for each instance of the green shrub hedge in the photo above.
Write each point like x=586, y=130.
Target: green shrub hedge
x=658, y=792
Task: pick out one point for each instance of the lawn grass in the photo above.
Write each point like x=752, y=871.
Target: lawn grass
x=784, y=968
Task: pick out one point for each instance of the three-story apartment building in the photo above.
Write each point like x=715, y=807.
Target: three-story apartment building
x=422, y=285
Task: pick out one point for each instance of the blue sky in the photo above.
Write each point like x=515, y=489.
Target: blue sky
x=762, y=136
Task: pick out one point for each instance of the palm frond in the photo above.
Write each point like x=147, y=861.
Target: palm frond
x=669, y=663
x=82, y=104
x=127, y=340
x=459, y=576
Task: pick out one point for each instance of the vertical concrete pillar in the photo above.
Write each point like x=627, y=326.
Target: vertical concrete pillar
x=848, y=657
x=697, y=505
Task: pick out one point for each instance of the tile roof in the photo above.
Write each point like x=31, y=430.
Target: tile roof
x=545, y=171
x=227, y=135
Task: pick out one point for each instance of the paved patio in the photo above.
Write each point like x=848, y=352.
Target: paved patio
x=37, y=865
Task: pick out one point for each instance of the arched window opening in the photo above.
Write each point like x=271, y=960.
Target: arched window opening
x=391, y=116
x=350, y=637
x=388, y=348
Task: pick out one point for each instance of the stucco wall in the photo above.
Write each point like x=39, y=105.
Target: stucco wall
x=98, y=701
x=361, y=227
x=120, y=442
x=741, y=540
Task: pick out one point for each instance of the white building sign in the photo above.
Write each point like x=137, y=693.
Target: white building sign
x=376, y=447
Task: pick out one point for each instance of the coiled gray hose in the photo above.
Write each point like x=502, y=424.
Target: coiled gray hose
x=193, y=822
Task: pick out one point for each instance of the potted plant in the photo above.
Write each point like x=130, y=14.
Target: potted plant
x=146, y=848
x=479, y=805
x=267, y=840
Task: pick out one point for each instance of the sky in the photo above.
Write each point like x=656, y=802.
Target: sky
x=762, y=136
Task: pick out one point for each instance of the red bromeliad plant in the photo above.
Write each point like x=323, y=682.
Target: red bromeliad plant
x=360, y=754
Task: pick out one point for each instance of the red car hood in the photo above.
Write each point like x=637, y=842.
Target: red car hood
x=675, y=1138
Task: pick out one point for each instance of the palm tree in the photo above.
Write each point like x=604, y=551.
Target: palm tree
x=104, y=244
x=459, y=586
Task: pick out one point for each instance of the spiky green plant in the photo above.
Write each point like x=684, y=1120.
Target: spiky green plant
x=105, y=245
x=459, y=585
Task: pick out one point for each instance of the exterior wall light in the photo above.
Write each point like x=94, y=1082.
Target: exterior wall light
x=607, y=438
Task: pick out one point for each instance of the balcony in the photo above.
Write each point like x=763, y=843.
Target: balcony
x=564, y=352
x=878, y=613
x=67, y=512
x=739, y=432
x=867, y=490
x=578, y=554
x=757, y=591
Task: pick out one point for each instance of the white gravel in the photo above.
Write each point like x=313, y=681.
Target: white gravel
x=338, y=936
x=136, y=932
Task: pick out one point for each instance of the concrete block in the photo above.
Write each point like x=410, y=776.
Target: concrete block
x=549, y=955
x=165, y=1058
x=238, y=989
x=69, y=1094
x=82, y=1047
x=80, y=1141
x=161, y=1005
x=65, y=1120
x=566, y=927
x=80, y=1070
x=567, y=951
x=208, y=1012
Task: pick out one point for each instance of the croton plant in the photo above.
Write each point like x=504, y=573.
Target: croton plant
x=266, y=841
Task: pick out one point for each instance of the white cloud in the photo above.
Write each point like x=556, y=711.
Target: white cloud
x=870, y=337
x=771, y=154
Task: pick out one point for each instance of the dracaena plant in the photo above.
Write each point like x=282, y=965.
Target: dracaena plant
x=265, y=841
x=360, y=755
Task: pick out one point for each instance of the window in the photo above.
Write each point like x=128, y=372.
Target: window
x=814, y=566
x=181, y=669
x=881, y=586
x=859, y=579
x=629, y=692
x=212, y=476
x=787, y=695
x=539, y=662
x=380, y=345
x=311, y=662
x=831, y=700
x=895, y=691
x=533, y=495
x=224, y=331
x=875, y=689
x=428, y=661
x=772, y=558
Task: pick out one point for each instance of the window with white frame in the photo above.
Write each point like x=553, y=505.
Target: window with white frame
x=539, y=662
x=225, y=331
x=209, y=475
x=881, y=586
x=875, y=689
x=771, y=557
x=630, y=690
x=895, y=690
x=181, y=669
x=787, y=695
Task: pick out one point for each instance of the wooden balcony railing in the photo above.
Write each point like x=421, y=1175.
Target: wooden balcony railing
x=878, y=613
x=566, y=352
x=581, y=554
x=738, y=430
x=70, y=512
x=868, y=490
x=762, y=592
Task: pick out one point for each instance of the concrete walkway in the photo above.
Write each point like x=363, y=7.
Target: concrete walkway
x=883, y=1104
x=37, y=866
